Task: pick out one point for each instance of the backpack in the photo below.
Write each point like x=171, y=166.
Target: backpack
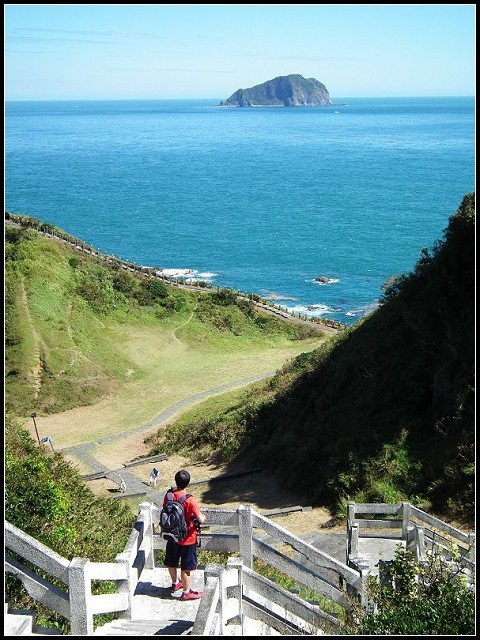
x=172, y=518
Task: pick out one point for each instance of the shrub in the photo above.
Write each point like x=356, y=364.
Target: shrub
x=426, y=599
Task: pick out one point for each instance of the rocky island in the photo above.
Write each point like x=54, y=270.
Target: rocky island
x=285, y=91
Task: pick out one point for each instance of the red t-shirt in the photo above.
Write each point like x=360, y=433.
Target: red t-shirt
x=192, y=509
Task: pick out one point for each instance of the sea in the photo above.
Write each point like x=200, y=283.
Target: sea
x=313, y=208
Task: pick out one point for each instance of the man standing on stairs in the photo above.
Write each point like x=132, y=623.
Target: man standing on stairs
x=184, y=552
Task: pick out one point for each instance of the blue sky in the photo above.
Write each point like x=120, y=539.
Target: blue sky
x=55, y=52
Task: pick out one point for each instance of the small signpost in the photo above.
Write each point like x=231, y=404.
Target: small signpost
x=123, y=486
x=48, y=440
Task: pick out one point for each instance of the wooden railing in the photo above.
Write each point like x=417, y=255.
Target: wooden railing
x=75, y=602
x=243, y=530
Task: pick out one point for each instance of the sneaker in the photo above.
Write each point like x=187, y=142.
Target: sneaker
x=191, y=595
x=176, y=587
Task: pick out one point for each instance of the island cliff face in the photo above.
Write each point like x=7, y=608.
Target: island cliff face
x=285, y=91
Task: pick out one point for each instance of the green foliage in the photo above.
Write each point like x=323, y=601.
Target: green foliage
x=47, y=498
x=419, y=600
x=95, y=285
x=224, y=297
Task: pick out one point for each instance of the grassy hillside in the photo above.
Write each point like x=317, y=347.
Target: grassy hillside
x=52, y=504
x=384, y=412
x=78, y=330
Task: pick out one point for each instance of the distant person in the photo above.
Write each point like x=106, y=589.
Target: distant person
x=184, y=551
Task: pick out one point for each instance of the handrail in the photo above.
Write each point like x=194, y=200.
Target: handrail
x=419, y=531
x=77, y=604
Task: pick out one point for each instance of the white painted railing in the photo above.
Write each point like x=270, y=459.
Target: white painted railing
x=234, y=594
x=420, y=531
x=237, y=595
x=243, y=526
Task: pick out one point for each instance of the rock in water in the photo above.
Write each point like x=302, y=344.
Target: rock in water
x=285, y=91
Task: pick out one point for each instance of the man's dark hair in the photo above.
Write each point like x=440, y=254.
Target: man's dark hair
x=182, y=479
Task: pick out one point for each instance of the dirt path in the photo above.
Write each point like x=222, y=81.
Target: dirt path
x=261, y=490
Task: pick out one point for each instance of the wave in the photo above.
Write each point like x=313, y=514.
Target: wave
x=324, y=281
x=278, y=296
x=362, y=311
x=311, y=310
x=187, y=275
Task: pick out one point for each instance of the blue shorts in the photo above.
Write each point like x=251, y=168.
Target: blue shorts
x=187, y=553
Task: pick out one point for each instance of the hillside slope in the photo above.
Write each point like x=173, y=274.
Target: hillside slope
x=389, y=411
x=384, y=412
x=79, y=329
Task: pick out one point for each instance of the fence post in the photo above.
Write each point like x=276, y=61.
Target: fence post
x=350, y=523
x=471, y=547
x=217, y=571
x=353, y=541
x=350, y=514
x=236, y=564
x=245, y=533
x=406, y=512
x=80, y=596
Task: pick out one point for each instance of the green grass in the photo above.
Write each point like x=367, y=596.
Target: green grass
x=76, y=339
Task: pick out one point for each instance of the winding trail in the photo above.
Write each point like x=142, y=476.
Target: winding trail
x=174, y=332
x=83, y=451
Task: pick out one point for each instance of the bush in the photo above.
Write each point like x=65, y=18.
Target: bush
x=426, y=599
x=95, y=285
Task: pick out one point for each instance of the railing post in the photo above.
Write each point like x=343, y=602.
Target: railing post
x=353, y=541
x=471, y=547
x=245, y=533
x=146, y=510
x=411, y=539
x=236, y=564
x=420, y=544
x=364, y=569
x=406, y=512
x=80, y=595
x=350, y=514
x=128, y=585
x=216, y=571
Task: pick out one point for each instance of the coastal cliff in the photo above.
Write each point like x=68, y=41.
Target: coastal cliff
x=285, y=91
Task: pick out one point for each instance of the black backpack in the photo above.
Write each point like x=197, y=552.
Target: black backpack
x=172, y=518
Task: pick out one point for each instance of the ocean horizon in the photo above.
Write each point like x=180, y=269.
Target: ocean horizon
x=314, y=207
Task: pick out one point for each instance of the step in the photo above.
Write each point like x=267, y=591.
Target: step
x=18, y=624
x=144, y=628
